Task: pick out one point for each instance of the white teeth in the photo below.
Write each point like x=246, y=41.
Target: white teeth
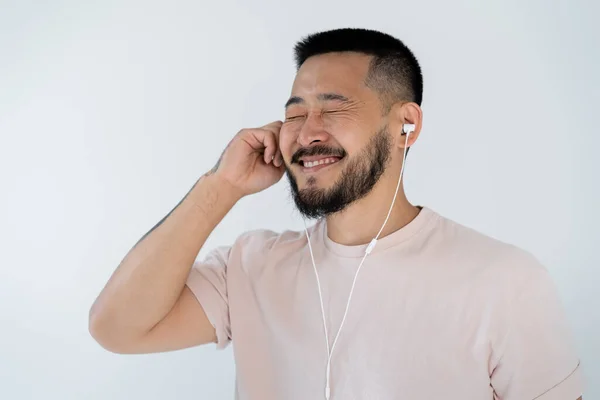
x=310, y=164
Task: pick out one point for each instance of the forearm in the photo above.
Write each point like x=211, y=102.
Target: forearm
x=149, y=280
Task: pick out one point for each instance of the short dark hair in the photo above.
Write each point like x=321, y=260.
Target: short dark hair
x=394, y=71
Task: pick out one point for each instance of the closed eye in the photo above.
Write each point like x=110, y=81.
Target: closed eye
x=295, y=117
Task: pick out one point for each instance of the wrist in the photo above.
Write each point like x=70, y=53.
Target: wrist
x=227, y=192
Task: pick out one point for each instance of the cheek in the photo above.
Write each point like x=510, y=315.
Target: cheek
x=344, y=129
x=347, y=137
x=287, y=138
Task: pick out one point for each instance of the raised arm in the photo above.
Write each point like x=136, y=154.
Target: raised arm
x=146, y=306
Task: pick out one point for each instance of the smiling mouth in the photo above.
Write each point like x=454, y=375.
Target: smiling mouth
x=315, y=165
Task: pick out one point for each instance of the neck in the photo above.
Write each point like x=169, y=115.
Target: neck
x=361, y=221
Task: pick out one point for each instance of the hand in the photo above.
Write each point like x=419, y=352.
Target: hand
x=252, y=162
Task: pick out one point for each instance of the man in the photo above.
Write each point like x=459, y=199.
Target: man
x=438, y=311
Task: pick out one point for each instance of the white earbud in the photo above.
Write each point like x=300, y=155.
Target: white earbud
x=408, y=128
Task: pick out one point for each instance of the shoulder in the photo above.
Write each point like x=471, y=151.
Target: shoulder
x=256, y=248
x=469, y=242
x=266, y=240
x=498, y=262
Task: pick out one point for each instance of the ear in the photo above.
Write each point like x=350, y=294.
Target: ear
x=405, y=113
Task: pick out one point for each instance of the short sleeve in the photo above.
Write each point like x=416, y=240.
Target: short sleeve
x=208, y=282
x=537, y=357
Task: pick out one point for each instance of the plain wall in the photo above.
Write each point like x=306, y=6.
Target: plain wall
x=110, y=111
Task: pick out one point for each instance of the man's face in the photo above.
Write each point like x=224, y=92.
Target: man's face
x=333, y=140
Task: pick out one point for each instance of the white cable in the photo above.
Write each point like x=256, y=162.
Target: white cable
x=318, y=286
x=397, y=186
x=367, y=251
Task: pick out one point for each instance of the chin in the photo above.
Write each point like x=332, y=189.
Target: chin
x=301, y=181
x=311, y=182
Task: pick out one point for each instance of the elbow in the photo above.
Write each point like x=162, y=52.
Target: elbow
x=108, y=334
x=102, y=331
x=105, y=340
x=97, y=327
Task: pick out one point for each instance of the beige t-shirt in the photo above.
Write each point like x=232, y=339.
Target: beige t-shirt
x=439, y=311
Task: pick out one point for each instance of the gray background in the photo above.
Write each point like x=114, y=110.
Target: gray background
x=110, y=110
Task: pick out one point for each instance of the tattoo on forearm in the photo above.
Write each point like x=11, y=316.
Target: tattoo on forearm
x=216, y=167
x=211, y=172
x=167, y=216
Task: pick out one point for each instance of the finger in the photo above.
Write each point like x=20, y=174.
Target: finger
x=263, y=141
x=255, y=137
x=274, y=123
x=278, y=160
x=274, y=127
x=266, y=140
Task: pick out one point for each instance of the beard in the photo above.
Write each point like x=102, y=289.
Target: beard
x=357, y=179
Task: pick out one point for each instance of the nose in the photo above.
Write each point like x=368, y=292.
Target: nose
x=312, y=131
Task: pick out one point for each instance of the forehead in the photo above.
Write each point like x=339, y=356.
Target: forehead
x=342, y=73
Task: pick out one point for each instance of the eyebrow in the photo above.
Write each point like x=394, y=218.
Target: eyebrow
x=320, y=97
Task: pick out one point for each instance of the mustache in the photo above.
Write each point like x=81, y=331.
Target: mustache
x=317, y=150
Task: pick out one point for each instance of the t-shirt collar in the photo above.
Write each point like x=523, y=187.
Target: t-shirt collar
x=406, y=232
